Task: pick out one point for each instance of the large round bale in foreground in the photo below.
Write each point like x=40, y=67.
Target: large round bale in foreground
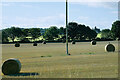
x=93, y=42
x=44, y=42
x=73, y=42
x=109, y=48
x=34, y=44
x=11, y=66
x=17, y=44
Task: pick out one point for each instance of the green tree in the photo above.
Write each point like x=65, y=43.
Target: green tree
x=116, y=29
x=62, y=31
x=4, y=36
x=13, y=32
x=72, y=30
x=80, y=32
x=92, y=34
x=86, y=33
x=89, y=33
x=35, y=33
x=0, y=36
x=26, y=32
x=106, y=33
x=51, y=33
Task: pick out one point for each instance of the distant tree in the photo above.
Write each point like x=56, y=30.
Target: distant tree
x=105, y=33
x=4, y=36
x=116, y=29
x=51, y=33
x=42, y=31
x=80, y=32
x=13, y=32
x=86, y=32
x=72, y=30
x=26, y=32
x=91, y=34
x=0, y=36
x=62, y=31
x=35, y=33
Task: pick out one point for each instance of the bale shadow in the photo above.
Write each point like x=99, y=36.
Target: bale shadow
x=24, y=74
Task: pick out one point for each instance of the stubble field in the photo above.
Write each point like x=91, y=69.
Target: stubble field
x=50, y=60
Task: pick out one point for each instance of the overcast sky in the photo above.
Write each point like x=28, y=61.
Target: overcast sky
x=46, y=14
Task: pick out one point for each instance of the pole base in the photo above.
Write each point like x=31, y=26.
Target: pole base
x=68, y=54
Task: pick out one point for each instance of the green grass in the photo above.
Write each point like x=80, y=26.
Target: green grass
x=50, y=60
x=87, y=53
x=99, y=35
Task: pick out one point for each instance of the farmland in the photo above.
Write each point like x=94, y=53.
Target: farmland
x=50, y=60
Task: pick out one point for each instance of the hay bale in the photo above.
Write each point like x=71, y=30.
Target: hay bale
x=93, y=42
x=109, y=48
x=44, y=42
x=11, y=66
x=73, y=42
x=34, y=44
x=17, y=44
x=69, y=54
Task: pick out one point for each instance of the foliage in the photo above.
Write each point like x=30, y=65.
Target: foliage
x=4, y=36
x=0, y=36
x=62, y=31
x=105, y=33
x=12, y=33
x=116, y=29
x=75, y=32
x=78, y=31
x=24, y=40
x=51, y=33
x=35, y=32
x=72, y=29
x=25, y=32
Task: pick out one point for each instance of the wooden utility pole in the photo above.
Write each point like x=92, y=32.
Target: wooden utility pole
x=67, y=27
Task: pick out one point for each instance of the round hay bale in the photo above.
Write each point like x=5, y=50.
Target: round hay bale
x=11, y=66
x=34, y=44
x=69, y=54
x=109, y=48
x=44, y=42
x=17, y=44
x=73, y=42
x=93, y=42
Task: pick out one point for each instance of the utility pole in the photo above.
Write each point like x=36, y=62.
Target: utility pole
x=67, y=27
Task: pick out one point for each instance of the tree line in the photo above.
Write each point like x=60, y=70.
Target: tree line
x=75, y=32
x=113, y=33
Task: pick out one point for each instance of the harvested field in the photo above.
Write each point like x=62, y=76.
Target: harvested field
x=50, y=60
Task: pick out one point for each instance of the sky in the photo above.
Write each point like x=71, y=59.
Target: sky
x=46, y=14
